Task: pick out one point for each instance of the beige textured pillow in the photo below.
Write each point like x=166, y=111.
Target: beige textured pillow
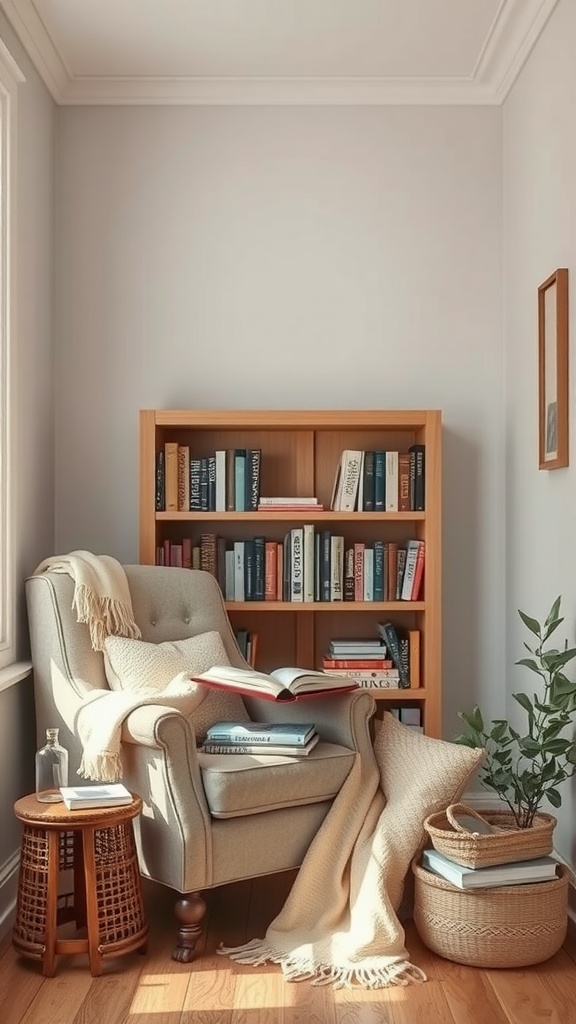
x=418, y=776
x=148, y=668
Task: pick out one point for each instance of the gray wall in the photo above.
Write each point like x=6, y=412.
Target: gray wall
x=539, y=236
x=288, y=257
x=33, y=437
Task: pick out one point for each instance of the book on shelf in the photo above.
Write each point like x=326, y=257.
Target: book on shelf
x=347, y=480
x=386, y=678
x=390, y=637
x=79, y=798
x=413, y=570
x=220, y=461
x=417, y=483
x=171, y=475
x=357, y=648
x=379, y=481
x=309, y=547
x=297, y=564
x=541, y=869
x=391, y=481
x=252, y=481
x=261, y=749
x=290, y=733
x=240, y=480
x=404, y=482
x=367, y=483
x=349, y=580
x=336, y=568
x=293, y=501
x=160, y=500
x=282, y=684
x=357, y=663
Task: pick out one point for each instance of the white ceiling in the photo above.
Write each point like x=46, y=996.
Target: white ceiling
x=278, y=51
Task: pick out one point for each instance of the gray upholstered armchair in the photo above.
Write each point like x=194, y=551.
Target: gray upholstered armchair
x=207, y=819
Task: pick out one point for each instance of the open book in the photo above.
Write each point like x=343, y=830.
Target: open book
x=282, y=684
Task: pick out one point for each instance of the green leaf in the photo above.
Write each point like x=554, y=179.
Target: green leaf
x=556, y=747
x=554, y=612
x=571, y=754
x=499, y=731
x=553, y=660
x=550, y=627
x=554, y=797
x=531, y=664
x=529, y=747
x=532, y=624
x=524, y=702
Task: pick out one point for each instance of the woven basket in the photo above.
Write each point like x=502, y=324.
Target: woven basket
x=475, y=850
x=507, y=926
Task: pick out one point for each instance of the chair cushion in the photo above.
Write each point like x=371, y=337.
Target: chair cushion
x=238, y=784
x=148, y=668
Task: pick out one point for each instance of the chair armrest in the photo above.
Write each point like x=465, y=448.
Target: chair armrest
x=342, y=718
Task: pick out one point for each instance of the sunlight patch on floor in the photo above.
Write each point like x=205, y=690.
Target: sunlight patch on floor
x=165, y=991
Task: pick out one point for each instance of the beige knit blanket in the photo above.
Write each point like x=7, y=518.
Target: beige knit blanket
x=101, y=594
x=100, y=719
x=339, y=924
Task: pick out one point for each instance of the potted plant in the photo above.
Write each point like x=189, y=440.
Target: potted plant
x=525, y=768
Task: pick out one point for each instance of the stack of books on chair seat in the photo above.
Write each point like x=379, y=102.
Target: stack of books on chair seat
x=292, y=738
x=540, y=869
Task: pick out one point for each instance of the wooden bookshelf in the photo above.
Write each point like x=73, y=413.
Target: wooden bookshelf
x=300, y=454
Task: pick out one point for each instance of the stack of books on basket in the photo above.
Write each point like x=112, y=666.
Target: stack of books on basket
x=293, y=739
x=462, y=866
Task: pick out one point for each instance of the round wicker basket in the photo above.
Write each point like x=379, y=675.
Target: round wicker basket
x=477, y=850
x=507, y=926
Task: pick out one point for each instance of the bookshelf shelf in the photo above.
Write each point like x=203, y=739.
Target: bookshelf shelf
x=290, y=517
x=300, y=451
x=317, y=607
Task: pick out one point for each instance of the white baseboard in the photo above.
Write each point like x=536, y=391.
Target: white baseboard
x=8, y=892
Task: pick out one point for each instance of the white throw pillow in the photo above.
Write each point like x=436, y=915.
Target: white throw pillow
x=148, y=668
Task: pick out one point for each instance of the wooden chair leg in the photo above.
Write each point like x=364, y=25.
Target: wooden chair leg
x=189, y=910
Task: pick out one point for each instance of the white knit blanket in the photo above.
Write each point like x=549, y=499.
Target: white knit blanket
x=339, y=924
x=101, y=594
x=100, y=719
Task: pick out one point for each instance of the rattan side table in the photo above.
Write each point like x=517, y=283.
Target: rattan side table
x=92, y=853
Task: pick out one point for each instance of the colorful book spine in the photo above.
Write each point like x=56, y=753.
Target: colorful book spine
x=379, y=481
x=171, y=475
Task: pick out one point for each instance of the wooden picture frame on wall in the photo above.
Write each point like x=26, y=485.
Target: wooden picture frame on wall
x=553, y=371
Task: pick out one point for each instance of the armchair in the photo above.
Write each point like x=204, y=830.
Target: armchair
x=207, y=819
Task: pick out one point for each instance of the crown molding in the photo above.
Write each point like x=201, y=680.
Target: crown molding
x=514, y=31
x=277, y=91
x=36, y=40
x=512, y=37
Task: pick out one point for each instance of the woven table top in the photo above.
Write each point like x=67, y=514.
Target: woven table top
x=56, y=815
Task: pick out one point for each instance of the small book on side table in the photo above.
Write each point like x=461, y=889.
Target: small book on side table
x=81, y=798
x=283, y=684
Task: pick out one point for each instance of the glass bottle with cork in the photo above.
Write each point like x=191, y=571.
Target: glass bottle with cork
x=51, y=769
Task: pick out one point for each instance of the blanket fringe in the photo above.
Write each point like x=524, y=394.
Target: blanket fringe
x=300, y=968
x=104, y=767
x=104, y=617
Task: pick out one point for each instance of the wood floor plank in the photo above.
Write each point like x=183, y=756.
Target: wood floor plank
x=558, y=976
x=20, y=982
x=163, y=982
x=213, y=989
x=60, y=998
x=524, y=996
x=258, y=997
x=469, y=995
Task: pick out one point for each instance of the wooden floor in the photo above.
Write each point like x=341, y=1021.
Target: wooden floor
x=153, y=989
